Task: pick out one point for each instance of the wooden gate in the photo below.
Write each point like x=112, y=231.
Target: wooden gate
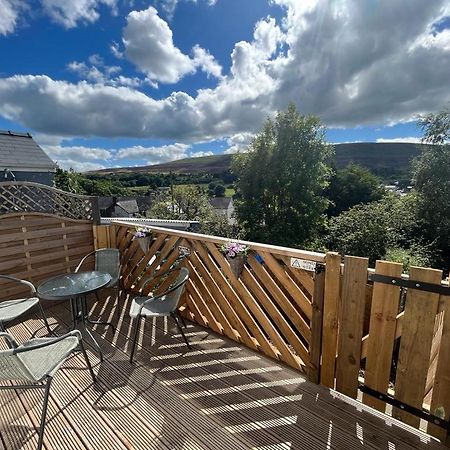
x=391, y=339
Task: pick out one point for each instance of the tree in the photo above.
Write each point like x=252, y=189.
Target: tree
x=432, y=182
x=386, y=229
x=67, y=180
x=280, y=181
x=352, y=185
x=219, y=191
x=360, y=231
x=191, y=203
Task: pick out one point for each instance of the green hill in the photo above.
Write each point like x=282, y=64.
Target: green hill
x=383, y=159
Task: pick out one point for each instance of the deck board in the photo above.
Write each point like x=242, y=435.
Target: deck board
x=219, y=396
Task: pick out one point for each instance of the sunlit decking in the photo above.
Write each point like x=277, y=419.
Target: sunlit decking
x=220, y=396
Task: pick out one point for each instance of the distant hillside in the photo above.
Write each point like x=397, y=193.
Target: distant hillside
x=383, y=157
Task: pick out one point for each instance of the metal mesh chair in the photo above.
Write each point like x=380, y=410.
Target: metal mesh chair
x=164, y=304
x=12, y=309
x=35, y=362
x=106, y=260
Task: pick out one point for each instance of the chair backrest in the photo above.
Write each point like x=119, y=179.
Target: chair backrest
x=171, y=298
x=108, y=260
x=12, y=367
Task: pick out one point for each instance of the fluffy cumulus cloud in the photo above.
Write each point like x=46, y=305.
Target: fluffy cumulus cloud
x=350, y=62
x=69, y=13
x=154, y=155
x=9, y=15
x=78, y=158
x=148, y=43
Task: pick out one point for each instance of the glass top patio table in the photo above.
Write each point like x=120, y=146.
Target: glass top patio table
x=71, y=285
x=76, y=287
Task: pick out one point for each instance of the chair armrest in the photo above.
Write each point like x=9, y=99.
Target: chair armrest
x=47, y=343
x=18, y=280
x=82, y=261
x=9, y=339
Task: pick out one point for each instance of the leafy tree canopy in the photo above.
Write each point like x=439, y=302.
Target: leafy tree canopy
x=190, y=203
x=280, y=181
x=353, y=185
x=432, y=182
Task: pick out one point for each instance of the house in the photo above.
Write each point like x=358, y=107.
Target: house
x=224, y=206
x=123, y=206
x=118, y=207
x=21, y=159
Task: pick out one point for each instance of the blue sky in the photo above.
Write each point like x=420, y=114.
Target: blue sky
x=110, y=83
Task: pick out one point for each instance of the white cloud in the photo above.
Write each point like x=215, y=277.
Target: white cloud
x=9, y=15
x=200, y=154
x=203, y=59
x=58, y=152
x=238, y=142
x=154, y=155
x=349, y=63
x=148, y=43
x=410, y=139
x=79, y=166
x=169, y=6
x=69, y=13
x=105, y=75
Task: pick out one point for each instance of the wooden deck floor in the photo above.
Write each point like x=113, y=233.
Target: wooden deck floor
x=218, y=396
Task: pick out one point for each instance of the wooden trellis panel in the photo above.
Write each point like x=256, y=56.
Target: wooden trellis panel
x=29, y=197
x=268, y=307
x=37, y=246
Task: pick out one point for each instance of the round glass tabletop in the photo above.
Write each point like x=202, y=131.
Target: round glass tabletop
x=72, y=284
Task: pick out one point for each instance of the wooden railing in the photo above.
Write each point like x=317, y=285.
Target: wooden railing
x=268, y=308
x=334, y=323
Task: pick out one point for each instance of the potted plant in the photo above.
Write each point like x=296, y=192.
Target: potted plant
x=236, y=254
x=144, y=237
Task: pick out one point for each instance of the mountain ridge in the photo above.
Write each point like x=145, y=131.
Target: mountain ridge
x=374, y=156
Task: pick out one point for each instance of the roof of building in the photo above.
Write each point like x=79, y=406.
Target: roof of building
x=220, y=202
x=130, y=206
x=19, y=152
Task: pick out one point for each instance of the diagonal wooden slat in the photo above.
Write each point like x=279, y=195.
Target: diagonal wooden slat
x=283, y=278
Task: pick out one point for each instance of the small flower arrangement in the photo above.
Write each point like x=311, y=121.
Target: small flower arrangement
x=233, y=249
x=141, y=232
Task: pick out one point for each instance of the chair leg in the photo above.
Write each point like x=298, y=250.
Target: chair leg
x=118, y=303
x=44, y=413
x=175, y=318
x=88, y=363
x=44, y=318
x=136, y=333
x=182, y=319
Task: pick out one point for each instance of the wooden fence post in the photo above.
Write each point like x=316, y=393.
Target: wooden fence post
x=380, y=346
x=351, y=324
x=440, y=400
x=316, y=324
x=415, y=345
x=330, y=318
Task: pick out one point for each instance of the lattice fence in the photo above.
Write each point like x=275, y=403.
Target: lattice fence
x=18, y=197
x=269, y=307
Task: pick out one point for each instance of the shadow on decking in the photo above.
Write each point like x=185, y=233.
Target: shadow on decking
x=219, y=396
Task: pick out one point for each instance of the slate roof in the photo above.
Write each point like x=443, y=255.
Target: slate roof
x=19, y=152
x=220, y=202
x=130, y=206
